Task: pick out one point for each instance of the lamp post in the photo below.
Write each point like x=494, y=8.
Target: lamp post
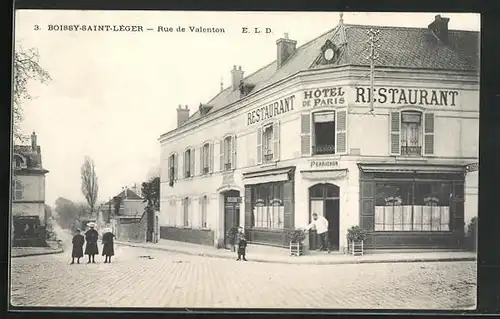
x=373, y=46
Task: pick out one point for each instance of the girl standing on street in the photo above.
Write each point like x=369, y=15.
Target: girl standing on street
x=107, y=248
x=78, y=241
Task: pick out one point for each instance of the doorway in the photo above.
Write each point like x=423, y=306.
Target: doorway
x=324, y=200
x=232, y=202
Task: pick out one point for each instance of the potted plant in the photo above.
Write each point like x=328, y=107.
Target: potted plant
x=231, y=235
x=296, y=238
x=355, y=238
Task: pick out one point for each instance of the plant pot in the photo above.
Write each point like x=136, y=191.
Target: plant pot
x=297, y=249
x=356, y=248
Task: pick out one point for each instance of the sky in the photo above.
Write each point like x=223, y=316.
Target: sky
x=113, y=94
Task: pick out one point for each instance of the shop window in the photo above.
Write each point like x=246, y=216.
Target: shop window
x=17, y=190
x=412, y=133
x=228, y=153
x=407, y=206
x=267, y=206
x=189, y=163
x=185, y=212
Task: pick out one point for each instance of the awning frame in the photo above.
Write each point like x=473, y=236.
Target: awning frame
x=410, y=168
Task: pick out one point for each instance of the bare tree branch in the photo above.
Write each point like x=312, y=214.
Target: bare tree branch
x=26, y=68
x=90, y=186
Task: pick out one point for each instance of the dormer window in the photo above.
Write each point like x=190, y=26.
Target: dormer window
x=18, y=162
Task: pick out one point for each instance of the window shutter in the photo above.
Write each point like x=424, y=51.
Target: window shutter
x=201, y=159
x=259, y=145
x=192, y=157
x=289, y=222
x=233, y=150
x=221, y=155
x=176, y=166
x=211, y=157
x=395, y=133
x=341, y=131
x=305, y=134
x=276, y=140
x=248, y=208
x=169, y=172
x=428, y=133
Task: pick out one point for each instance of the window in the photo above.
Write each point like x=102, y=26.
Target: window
x=228, y=153
x=324, y=133
x=267, y=206
x=205, y=159
x=172, y=167
x=412, y=206
x=189, y=163
x=267, y=143
x=17, y=190
x=412, y=133
x=204, y=202
x=185, y=211
x=18, y=161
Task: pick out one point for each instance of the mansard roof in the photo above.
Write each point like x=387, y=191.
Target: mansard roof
x=400, y=47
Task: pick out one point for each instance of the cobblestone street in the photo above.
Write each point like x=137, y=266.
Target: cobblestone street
x=150, y=278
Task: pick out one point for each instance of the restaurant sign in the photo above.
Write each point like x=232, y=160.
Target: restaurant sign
x=270, y=110
x=407, y=96
x=331, y=96
x=323, y=163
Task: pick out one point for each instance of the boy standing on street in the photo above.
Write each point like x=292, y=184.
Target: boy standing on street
x=242, y=244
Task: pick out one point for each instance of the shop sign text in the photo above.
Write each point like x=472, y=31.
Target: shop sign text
x=407, y=96
x=324, y=163
x=324, y=97
x=270, y=110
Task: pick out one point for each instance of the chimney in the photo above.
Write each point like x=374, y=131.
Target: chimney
x=182, y=115
x=125, y=192
x=33, y=142
x=440, y=28
x=286, y=48
x=237, y=76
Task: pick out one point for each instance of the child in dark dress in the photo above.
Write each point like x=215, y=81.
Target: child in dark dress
x=107, y=248
x=78, y=241
x=242, y=244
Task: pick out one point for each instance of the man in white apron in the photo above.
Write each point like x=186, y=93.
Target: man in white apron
x=321, y=225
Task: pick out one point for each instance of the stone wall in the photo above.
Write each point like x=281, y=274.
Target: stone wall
x=194, y=236
x=132, y=229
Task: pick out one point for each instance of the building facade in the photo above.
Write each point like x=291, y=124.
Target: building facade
x=29, y=216
x=300, y=136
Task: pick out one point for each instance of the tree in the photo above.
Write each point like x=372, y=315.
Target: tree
x=151, y=193
x=90, y=186
x=67, y=212
x=26, y=68
x=117, y=202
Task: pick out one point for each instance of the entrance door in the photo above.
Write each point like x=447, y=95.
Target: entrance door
x=324, y=200
x=231, y=213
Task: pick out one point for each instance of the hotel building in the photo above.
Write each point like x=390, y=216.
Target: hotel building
x=299, y=136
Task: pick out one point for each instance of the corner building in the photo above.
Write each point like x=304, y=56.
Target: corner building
x=298, y=136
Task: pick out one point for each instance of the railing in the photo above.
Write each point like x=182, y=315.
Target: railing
x=324, y=149
x=411, y=150
x=268, y=157
x=227, y=166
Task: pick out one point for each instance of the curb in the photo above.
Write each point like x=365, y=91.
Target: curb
x=53, y=252
x=298, y=262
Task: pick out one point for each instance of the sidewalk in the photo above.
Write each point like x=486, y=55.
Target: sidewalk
x=258, y=253
x=54, y=248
